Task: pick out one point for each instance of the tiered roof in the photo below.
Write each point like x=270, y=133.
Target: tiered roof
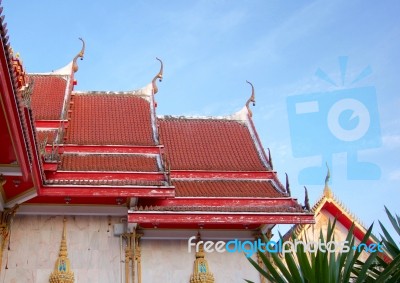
x=110, y=148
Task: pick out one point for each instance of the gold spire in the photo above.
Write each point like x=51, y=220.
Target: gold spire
x=159, y=76
x=201, y=271
x=62, y=271
x=327, y=190
x=79, y=55
x=251, y=99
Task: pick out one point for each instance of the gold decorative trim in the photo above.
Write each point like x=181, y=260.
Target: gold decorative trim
x=26, y=92
x=62, y=271
x=201, y=270
x=251, y=99
x=20, y=195
x=79, y=55
x=159, y=76
x=3, y=181
x=6, y=218
x=133, y=263
x=327, y=191
x=13, y=165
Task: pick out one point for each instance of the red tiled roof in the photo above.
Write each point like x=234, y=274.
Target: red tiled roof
x=224, y=188
x=205, y=144
x=110, y=119
x=48, y=96
x=109, y=162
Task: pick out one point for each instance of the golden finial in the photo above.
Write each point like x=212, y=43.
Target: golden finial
x=251, y=99
x=159, y=76
x=327, y=191
x=63, y=247
x=79, y=55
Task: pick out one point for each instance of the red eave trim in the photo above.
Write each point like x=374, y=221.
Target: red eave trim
x=218, y=218
x=53, y=124
x=346, y=221
x=190, y=174
x=108, y=191
x=74, y=148
x=218, y=202
x=96, y=175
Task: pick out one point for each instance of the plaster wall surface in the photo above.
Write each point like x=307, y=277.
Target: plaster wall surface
x=97, y=255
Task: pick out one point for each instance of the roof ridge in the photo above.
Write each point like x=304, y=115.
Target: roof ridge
x=205, y=118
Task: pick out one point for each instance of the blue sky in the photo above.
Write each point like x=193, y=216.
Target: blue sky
x=210, y=48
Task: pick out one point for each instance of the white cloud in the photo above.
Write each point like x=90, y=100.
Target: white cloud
x=395, y=175
x=391, y=141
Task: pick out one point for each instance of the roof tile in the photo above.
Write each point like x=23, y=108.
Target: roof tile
x=224, y=188
x=48, y=96
x=109, y=162
x=205, y=144
x=101, y=119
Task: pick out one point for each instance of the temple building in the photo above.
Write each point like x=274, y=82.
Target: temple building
x=327, y=209
x=96, y=187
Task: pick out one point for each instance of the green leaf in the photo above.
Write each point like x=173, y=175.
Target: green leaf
x=273, y=273
x=393, y=267
x=396, y=225
x=260, y=269
x=365, y=267
x=294, y=269
x=387, y=237
x=304, y=263
x=282, y=267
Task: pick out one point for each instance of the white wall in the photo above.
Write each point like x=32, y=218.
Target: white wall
x=170, y=261
x=35, y=242
x=95, y=255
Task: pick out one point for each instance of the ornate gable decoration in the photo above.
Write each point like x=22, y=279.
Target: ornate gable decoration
x=18, y=69
x=62, y=271
x=201, y=271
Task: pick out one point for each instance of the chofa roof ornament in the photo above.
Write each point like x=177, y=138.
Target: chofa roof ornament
x=327, y=190
x=251, y=99
x=159, y=76
x=79, y=55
